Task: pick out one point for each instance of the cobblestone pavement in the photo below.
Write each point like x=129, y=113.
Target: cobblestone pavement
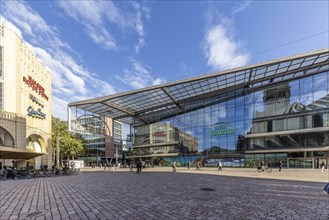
x=161, y=195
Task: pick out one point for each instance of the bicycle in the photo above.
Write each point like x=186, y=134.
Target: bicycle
x=262, y=169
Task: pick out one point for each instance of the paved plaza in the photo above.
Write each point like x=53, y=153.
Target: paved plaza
x=163, y=195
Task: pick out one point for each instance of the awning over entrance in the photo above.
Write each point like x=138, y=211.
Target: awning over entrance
x=14, y=153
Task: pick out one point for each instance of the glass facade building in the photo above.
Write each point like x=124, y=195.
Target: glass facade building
x=288, y=117
x=269, y=112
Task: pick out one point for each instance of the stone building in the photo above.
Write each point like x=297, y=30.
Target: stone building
x=25, y=103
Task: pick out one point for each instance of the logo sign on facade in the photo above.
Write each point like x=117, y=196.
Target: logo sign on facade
x=36, y=100
x=35, y=86
x=222, y=128
x=35, y=113
x=159, y=134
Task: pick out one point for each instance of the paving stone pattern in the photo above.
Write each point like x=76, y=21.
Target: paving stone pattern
x=160, y=195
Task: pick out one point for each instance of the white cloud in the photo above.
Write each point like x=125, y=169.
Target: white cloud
x=59, y=106
x=139, y=76
x=139, y=26
x=97, y=20
x=222, y=50
x=91, y=16
x=62, y=77
x=24, y=18
x=220, y=47
x=70, y=80
x=240, y=7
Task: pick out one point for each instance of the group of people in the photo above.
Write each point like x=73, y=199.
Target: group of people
x=262, y=165
x=198, y=166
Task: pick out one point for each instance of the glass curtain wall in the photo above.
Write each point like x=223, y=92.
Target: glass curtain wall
x=268, y=119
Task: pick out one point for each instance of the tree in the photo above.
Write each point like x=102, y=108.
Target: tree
x=68, y=141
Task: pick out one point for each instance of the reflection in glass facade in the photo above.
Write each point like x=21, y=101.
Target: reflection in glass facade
x=290, y=115
x=271, y=111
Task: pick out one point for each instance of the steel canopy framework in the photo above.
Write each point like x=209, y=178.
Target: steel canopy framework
x=153, y=104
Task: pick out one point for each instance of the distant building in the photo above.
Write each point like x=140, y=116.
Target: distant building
x=102, y=138
x=128, y=141
x=163, y=140
x=25, y=103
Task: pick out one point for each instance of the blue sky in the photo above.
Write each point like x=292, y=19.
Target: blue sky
x=97, y=48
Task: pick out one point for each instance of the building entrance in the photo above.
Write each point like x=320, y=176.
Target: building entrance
x=300, y=163
x=34, y=144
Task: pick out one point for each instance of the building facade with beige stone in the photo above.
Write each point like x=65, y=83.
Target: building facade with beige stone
x=25, y=103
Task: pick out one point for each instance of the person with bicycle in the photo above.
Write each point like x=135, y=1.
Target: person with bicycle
x=262, y=166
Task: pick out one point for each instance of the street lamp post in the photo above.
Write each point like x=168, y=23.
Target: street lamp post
x=68, y=152
x=97, y=157
x=57, y=151
x=116, y=153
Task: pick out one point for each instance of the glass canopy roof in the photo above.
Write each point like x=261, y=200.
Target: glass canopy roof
x=152, y=104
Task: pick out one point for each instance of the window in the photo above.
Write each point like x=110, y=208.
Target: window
x=269, y=126
x=278, y=125
x=306, y=85
x=317, y=120
x=320, y=82
x=293, y=123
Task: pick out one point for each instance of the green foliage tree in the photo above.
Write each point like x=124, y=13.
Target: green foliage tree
x=67, y=141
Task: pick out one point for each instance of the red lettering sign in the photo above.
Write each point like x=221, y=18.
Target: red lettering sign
x=35, y=86
x=159, y=134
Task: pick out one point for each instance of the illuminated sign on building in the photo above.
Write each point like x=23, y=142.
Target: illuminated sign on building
x=222, y=128
x=35, y=113
x=35, y=86
x=36, y=100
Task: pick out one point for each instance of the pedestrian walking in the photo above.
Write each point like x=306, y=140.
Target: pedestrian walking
x=322, y=166
x=280, y=165
x=198, y=167
x=139, y=166
x=254, y=164
x=174, y=166
x=188, y=165
x=219, y=166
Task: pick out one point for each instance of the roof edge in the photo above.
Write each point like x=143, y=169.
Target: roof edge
x=259, y=64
